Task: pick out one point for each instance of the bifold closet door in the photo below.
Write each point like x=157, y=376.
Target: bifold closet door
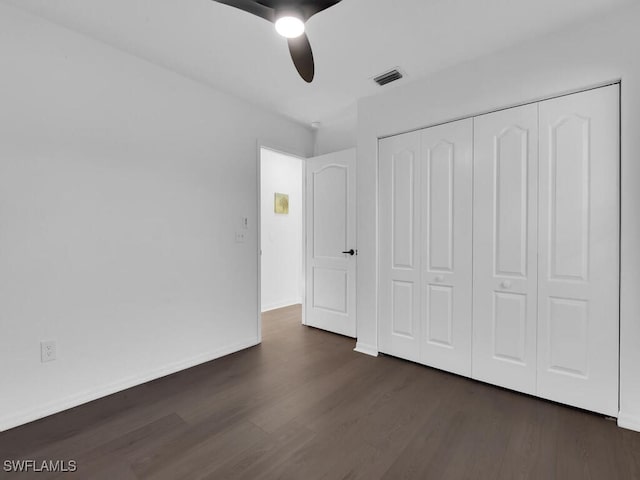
x=446, y=245
x=399, y=240
x=505, y=248
x=578, y=307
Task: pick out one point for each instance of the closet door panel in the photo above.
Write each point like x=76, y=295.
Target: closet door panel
x=446, y=246
x=505, y=248
x=399, y=237
x=579, y=250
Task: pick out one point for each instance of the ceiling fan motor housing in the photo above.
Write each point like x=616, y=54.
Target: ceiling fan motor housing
x=275, y=10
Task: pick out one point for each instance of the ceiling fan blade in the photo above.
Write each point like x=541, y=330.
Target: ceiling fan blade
x=310, y=8
x=252, y=7
x=302, y=56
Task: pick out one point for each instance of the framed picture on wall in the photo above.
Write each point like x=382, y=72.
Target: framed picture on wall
x=281, y=203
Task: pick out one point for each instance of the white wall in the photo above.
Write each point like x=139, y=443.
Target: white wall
x=281, y=282
x=603, y=50
x=337, y=133
x=121, y=187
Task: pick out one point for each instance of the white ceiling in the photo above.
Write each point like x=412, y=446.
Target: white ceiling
x=352, y=41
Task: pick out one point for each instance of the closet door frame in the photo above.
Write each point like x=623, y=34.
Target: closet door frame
x=373, y=349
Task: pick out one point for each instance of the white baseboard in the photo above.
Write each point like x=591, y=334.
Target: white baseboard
x=275, y=306
x=630, y=422
x=26, y=416
x=366, y=349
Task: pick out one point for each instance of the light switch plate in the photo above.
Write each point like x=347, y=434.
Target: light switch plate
x=240, y=237
x=48, y=351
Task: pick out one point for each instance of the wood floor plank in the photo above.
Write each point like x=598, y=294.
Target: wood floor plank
x=195, y=461
x=531, y=445
x=304, y=405
x=129, y=447
x=263, y=460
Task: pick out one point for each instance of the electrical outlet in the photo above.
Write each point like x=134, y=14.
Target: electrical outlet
x=47, y=351
x=240, y=237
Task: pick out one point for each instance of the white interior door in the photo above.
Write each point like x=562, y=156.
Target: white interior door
x=330, y=232
x=446, y=245
x=505, y=248
x=399, y=239
x=579, y=250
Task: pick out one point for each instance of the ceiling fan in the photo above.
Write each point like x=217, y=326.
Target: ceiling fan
x=289, y=17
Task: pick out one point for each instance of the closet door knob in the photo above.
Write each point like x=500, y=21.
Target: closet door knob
x=506, y=284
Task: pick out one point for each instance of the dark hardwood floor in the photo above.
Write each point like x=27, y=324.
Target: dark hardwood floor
x=304, y=406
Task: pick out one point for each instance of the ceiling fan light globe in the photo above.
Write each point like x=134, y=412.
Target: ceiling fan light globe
x=289, y=27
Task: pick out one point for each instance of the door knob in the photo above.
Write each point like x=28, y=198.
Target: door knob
x=506, y=284
x=350, y=252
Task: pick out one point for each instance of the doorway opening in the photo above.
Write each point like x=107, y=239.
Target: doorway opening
x=281, y=230
x=307, y=238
